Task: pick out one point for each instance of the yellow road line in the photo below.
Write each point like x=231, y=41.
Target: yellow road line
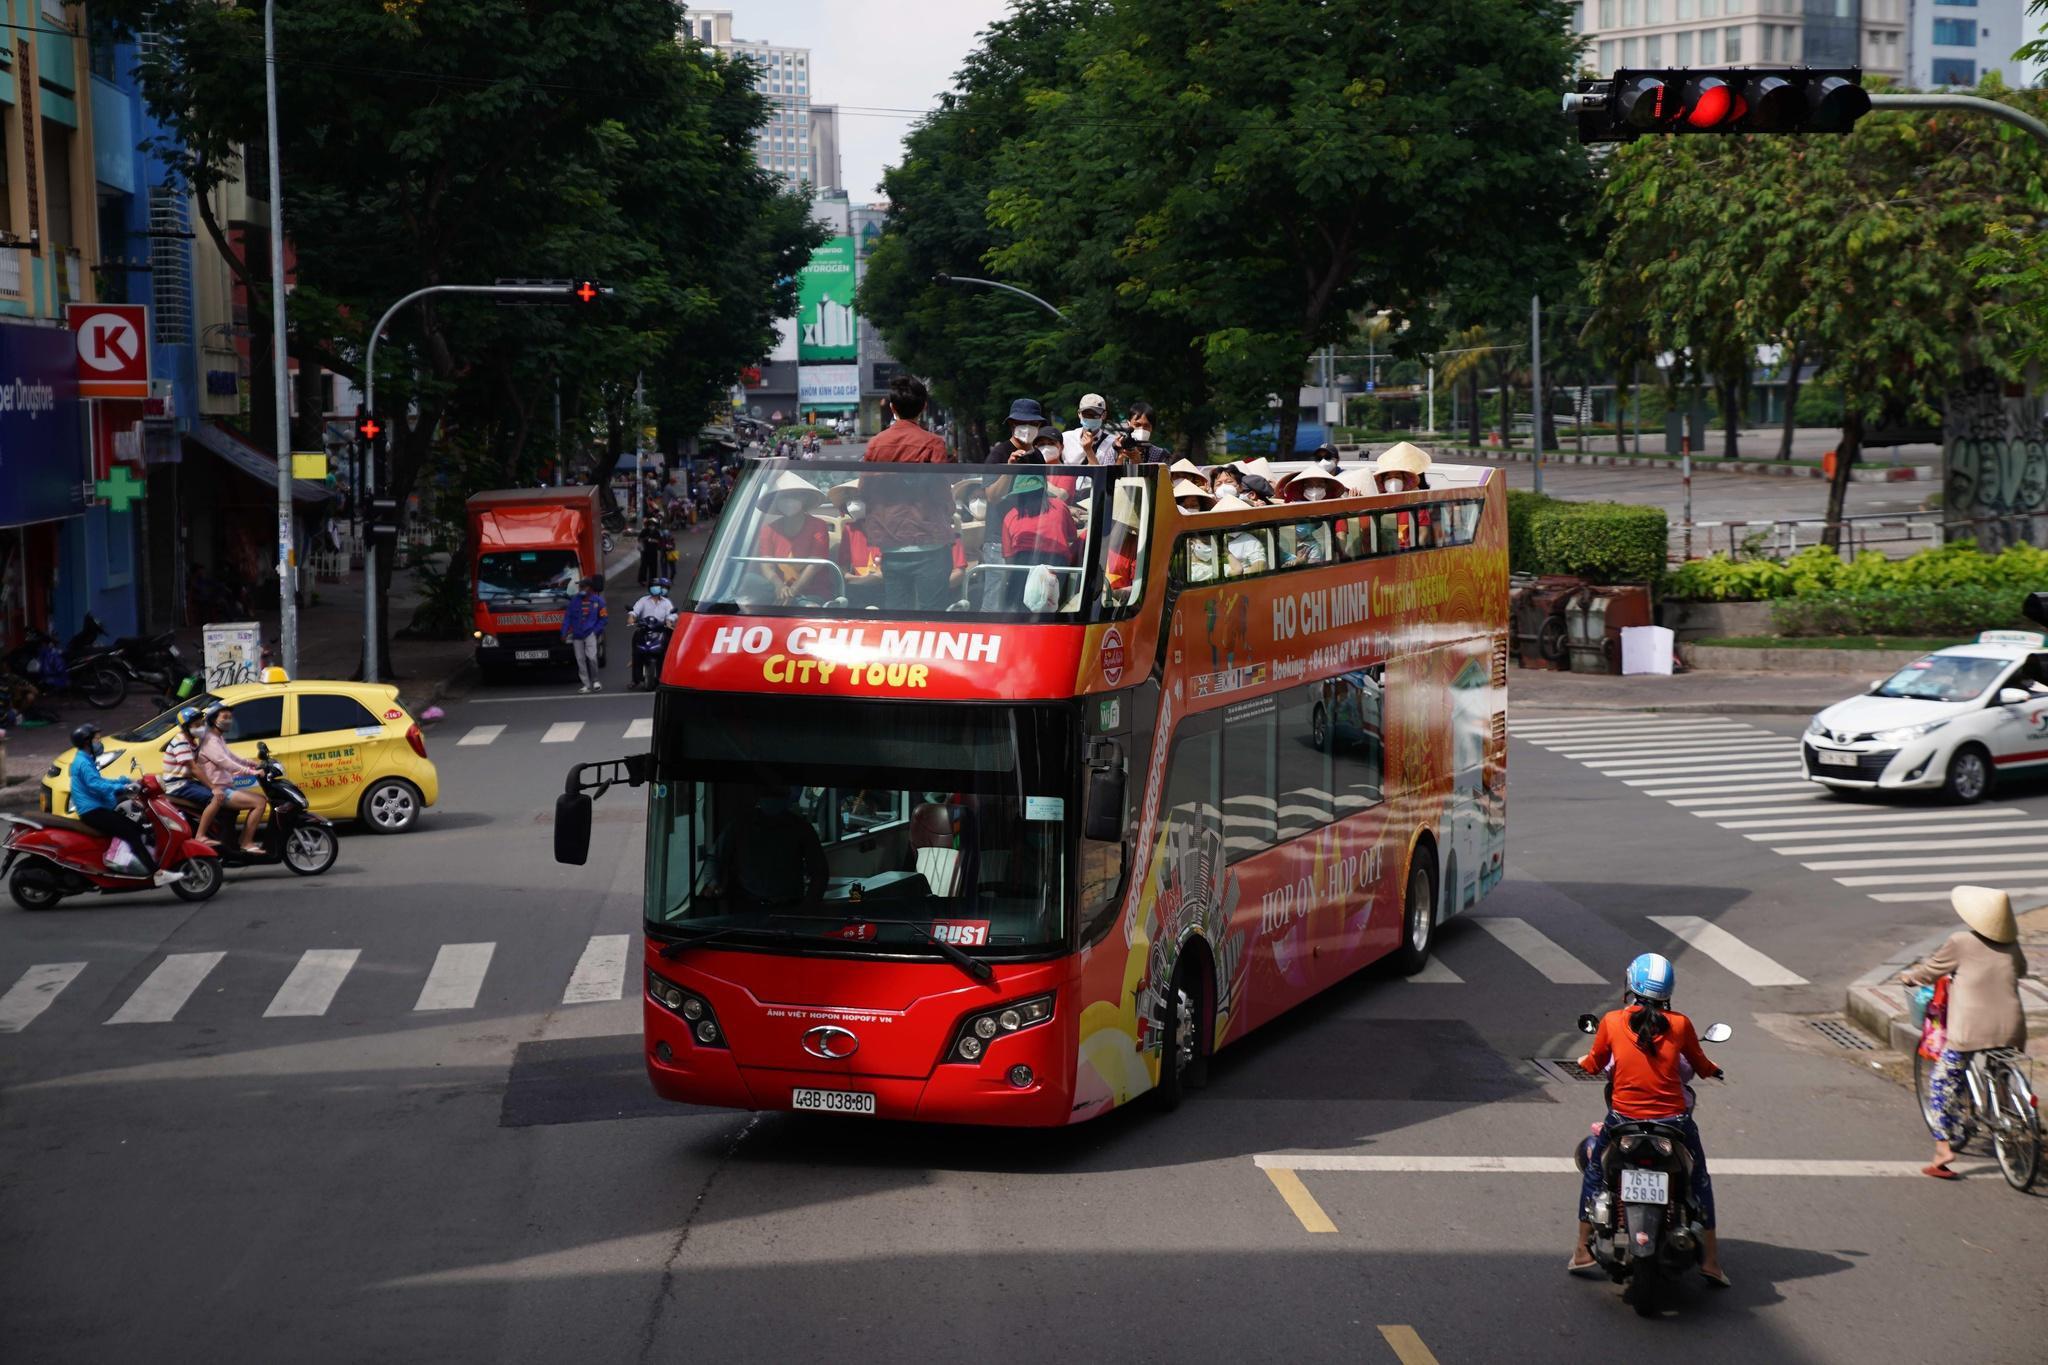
x=1301, y=1201
x=1408, y=1346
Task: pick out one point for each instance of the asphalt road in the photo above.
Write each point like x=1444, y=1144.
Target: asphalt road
x=451, y=1153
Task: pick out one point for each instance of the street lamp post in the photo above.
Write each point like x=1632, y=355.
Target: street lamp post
x=287, y=542
x=943, y=278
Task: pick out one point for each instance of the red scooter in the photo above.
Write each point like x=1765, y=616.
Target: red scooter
x=49, y=857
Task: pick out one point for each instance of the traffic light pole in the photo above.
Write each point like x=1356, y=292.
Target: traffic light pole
x=549, y=291
x=1967, y=104
x=287, y=542
x=1536, y=404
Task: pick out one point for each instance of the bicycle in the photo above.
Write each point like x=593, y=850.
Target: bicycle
x=1997, y=1093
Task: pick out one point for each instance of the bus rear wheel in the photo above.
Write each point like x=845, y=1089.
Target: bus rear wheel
x=1183, y=1042
x=1418, y=922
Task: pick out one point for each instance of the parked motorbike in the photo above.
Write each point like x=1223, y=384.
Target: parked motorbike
x=294, y=836
x=78, y=669
x=650, y=647
x=1646, y=1225
x=48, y=857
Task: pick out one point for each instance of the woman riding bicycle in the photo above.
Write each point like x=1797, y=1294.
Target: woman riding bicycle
x=1648, y=1044
x=1984, y=1009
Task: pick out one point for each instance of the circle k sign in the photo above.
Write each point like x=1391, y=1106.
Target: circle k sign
x=113, y=349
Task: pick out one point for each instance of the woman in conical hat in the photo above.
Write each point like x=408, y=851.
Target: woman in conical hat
x=1402, y=468
x=1984, y=1006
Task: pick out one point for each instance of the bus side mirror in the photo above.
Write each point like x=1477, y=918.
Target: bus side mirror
x=572, y=828
x=1105, y=818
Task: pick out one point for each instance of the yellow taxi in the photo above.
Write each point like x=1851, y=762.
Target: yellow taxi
x=350, y=747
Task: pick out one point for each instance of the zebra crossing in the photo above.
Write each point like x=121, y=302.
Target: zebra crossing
x=454, y=982
x=556, y=732
x=456, y=977
x=1751, y=782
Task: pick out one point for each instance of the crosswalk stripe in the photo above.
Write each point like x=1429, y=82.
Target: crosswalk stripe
x=1745, y=746
x=1704, y=786
x=1886, y=833
x=457, y=976
x=563, y=732
x=1643, y=767
x=1871, y=817
x=34, y=992
x=1905, y=897
x=314, y=979
x=1435, y=973
x=1728, y=950
x=1648, y=733
x=164, y=991
x=642, y=728
x=1946, y=860
x=1790, y=793
x=601, y=972
x=1748, y=810
x=1604, y=718
x=1746, y=771
x=482, y=734
x=1537, y=949
x=1986, y=876
x=1908, y=845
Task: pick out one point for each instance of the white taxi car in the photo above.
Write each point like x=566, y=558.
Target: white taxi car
x=1950, y=722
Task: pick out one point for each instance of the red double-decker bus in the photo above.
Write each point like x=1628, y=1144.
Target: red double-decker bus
x=1012, y=830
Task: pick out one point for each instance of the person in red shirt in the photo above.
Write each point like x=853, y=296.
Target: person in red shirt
x=910, y=520
x=1649, y=1045
x=1036, y=529
x=790, y=536
x=857, y=555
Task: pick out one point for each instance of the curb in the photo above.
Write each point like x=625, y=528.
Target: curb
x=1877, y=1002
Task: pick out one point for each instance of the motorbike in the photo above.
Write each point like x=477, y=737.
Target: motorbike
x=293, y=836
x=79, y=668
x=48, y=857
x=650, y=646
x=1646, y=1224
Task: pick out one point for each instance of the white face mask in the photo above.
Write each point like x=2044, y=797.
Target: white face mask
x=1141, y=434
x=1201, y=550
x=1027, y=433
x=1329, y=465
x=791, y=505
x=1314, y=493
x=1091, y=423
x=855, y=508
x=1226, y=486
x=978, y=508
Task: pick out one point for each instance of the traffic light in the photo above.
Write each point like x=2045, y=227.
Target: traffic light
x=368, y=428
x=587, y=291
x=1631, y=103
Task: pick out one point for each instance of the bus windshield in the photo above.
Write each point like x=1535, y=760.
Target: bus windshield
x=526, y=575
x=1029, y=542
x=831, y=818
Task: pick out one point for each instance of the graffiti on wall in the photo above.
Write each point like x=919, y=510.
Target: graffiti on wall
x=1995, y=459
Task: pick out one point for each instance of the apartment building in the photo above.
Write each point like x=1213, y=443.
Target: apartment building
x=1639, y=33
x=784, y=145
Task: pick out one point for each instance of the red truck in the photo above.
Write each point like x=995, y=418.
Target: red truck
x=527, y=549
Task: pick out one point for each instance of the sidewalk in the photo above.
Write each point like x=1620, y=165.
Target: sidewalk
x=1877, y=1001
x=1718, y=692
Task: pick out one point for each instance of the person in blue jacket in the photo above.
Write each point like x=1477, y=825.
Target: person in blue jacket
x=582, y=626
x=97, y=799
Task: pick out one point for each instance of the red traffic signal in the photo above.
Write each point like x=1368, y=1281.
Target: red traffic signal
x=368, y=428
x=1789, y=100
x=587, y=291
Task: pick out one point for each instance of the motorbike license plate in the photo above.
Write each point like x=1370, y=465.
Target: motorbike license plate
x=530, y=654
x=1645, y=1187
x=1835, y=758
x=833, y=1101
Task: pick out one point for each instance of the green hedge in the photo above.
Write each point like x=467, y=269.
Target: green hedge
x=1957, y=611
x=1603, y=542
x=1818, y=571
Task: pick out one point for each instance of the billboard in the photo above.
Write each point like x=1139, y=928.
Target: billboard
x=43, y=452
x=826, y=328
x=827, y=386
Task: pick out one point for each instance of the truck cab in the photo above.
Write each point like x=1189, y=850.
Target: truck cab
x=528, y=548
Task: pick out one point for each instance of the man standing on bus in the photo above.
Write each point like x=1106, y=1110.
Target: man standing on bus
x=910, y=516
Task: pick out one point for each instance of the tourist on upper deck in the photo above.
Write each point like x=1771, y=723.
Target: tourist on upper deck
x=1025, y=421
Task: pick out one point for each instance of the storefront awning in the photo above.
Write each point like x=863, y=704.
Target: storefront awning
x=257, y=464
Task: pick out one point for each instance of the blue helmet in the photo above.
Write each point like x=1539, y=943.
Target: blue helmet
x=1651, y=977
x=187, y=715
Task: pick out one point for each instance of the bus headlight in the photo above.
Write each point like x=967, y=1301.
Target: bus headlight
x=694, y=1009
x=978, y=1030
x=487, y=640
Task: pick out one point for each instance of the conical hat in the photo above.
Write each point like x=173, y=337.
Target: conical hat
x=1226, y=503
x=1261, y=468
x=1188, y=467
x=786, y=482
x=1358, y=481
x=1405, y=458
x=1986, y=910
x=1291, y=490
x=1185, y=489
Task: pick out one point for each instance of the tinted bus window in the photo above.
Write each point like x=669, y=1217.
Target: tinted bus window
x=1196, y=560
x=1247, y=553
x=1249, y=823
x=1355, y=710
x=1191, y=785
x=1302, y=762
x=1304, y=543
x=1354, y=537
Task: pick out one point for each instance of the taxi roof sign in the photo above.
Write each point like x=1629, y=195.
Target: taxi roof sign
x=2032, y=639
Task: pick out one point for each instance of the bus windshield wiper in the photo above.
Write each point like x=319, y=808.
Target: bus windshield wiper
x=973, y=966
x=676, y=947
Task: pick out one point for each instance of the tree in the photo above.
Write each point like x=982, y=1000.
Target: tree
x=1242, y=178
x=469, y=140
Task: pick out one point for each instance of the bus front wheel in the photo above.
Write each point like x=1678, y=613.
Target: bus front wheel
x=1418, y=923
x=1183, y=1043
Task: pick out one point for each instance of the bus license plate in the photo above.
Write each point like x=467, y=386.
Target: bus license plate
x=1835, y=758
x=1645, y=1187
x=833, y=1101
x=530, y=654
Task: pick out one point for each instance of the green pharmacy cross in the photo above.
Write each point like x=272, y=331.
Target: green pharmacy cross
x=121, y=489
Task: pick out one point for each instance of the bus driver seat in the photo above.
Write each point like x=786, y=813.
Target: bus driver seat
x=943, y=845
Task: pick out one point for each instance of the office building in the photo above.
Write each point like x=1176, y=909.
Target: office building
x=1960, y=42
x=826, y=173
x=1649, y=33
x=784, y=143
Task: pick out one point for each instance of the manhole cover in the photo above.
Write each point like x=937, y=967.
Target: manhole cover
x=1565, y=1069
x=1841, y=1035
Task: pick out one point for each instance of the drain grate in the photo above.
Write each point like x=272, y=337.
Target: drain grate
x=1564, y=1069
x=1841, y=1035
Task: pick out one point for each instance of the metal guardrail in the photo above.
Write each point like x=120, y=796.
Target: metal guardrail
x=1886, y=532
